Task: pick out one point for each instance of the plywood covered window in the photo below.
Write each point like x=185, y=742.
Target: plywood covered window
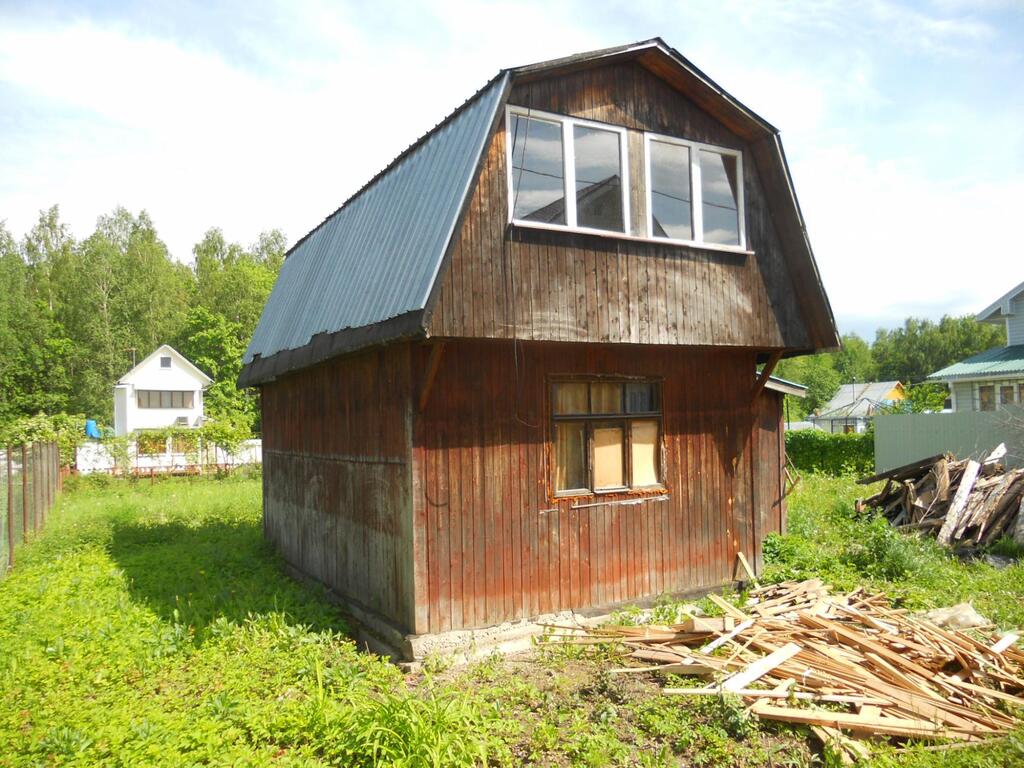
x=606, y=435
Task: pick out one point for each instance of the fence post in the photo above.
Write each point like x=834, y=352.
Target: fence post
x=10, y=511
x=44, y=451
x=24, y=493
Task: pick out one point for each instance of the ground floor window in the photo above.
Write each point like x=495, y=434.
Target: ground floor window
x=606, y=435
x=989, y=397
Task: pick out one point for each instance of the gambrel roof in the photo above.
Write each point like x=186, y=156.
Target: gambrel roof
x=366, y=275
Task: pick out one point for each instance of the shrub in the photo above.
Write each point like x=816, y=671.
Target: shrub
x=812, y=450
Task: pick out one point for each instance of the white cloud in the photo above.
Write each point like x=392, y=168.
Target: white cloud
x=273, y=119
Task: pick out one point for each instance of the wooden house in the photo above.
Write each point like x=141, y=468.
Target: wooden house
x=517, y=372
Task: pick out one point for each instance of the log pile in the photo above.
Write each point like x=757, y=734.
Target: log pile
x=849, y=666
x=962, y=503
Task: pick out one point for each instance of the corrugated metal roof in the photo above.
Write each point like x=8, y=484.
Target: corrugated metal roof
x=376, y=257
x=1000, y=361
x=860, y=399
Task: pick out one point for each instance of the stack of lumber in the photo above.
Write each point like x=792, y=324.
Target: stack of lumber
x=850, y=666
x=963, y=503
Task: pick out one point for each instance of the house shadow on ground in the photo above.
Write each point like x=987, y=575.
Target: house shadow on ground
x=197, y=574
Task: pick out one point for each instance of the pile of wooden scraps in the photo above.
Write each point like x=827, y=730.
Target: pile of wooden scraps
x=963, y=503
x=850, y=666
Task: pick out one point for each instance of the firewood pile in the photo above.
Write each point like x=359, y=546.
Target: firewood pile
x=963, y=503
x=849, y=666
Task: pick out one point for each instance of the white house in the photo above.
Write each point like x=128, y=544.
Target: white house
x=164, y=390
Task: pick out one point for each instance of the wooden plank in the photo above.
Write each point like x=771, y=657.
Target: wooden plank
x=885, y=726
x=956, y=508
x=760, y=668
x=729, y=608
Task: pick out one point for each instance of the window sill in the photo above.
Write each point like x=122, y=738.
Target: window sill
x=611, y=496
x=734, y=249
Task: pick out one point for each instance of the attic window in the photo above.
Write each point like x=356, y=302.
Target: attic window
x=567, y=172
x=695, y=192
x=606, y=435
x=165, y=362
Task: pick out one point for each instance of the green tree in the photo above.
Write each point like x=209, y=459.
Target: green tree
x=212, y=343
x=921, y=347
x=853, y=361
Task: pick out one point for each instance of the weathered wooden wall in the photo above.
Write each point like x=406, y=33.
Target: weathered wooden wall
x=556, y=286
x=493, y=545
x=337, y=477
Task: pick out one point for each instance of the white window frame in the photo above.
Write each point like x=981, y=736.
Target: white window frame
x=569, y=171
x=696, y=192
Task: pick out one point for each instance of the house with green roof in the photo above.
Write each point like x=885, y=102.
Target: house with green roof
x=994, y=378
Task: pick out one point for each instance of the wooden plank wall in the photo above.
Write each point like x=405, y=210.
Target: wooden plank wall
x=495, y=546
x=556, y=286
x=337, y=477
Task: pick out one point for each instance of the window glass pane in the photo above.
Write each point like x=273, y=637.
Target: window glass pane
x=176, y=399
x=165, y=362
x=140, y=398
x=571, y=397
x=189, y=399
x=719, y=195
x=605, y=397
x=538, y=184
x=645, y=452
x=1006, y=394
x=598, y=178
x=986, y=398
x=570, y=449
x=165, y=399
x=641, y=398
x=608, y=469
x=671, y=206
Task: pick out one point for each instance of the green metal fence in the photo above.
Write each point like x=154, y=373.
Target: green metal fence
x=30, y=479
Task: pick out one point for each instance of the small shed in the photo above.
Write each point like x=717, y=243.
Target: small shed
x=526, y=368
x=164, y=390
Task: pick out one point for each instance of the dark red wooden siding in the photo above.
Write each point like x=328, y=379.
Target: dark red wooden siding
x=557, y=286
x=492, y=544
x=337, y=477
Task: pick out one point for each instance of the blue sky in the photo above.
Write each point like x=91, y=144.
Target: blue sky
x=903, y=122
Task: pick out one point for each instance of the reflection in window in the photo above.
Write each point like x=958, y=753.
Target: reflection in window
x=570, y=456
x=598, y=169
x=986, y=397
x=671, y=214
x=538, y=183
x=1006, y=394
x=719, y=198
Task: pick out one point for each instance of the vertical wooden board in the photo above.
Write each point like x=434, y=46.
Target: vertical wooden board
x=467, y=505
x=444, y=532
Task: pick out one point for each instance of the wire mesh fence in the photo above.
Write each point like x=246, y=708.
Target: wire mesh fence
x=30, y=479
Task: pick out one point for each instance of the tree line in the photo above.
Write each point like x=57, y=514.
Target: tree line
x=907, y=354
x=75, y=313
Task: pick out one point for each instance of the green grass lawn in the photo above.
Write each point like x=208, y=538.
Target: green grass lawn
x=149, y=624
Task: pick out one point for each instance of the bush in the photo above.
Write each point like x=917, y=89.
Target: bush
x=812, y=450
x=67, y=430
